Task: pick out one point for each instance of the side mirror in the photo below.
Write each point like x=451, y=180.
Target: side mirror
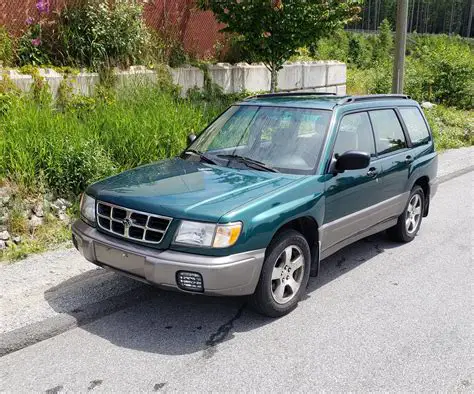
x=191, y=138
x=352, y=160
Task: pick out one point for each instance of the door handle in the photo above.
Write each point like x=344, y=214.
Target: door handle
x=409, y=159
x=372, y=172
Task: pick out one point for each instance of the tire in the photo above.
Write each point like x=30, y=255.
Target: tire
x=284, y=276
x=404, y=231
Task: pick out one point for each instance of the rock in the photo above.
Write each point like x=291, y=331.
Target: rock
x=34, y=222
x=5, y=191
x=17, y=240
x=64, y=217
x=4, y=200
x=64, y=202
x=60, y=205
x=4, y=235
x=38, y=210
x=3, y=245
x=427, y=105
x=3, y=220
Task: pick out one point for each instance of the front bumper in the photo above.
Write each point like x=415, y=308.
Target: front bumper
x=233, y=275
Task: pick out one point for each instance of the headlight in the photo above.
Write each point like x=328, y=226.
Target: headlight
x=208, y=234
x=88, y=209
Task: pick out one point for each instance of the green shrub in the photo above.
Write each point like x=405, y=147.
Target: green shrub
x=383, y=45
x=452, y=128
x=359, y=51
x=442, y=70
x=95, y=33
x=31, y=47
x=335, y=47
x=6, y=48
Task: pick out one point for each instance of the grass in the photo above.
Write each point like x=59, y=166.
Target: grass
x=51, y=234
x=90, y=138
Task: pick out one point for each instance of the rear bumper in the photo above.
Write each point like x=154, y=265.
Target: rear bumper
x=232, y=275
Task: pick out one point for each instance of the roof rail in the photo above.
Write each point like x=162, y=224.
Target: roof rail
x=354, y=99
x=289, y=94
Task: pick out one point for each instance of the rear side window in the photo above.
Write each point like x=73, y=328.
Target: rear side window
x=416, y=125
x=388, y=131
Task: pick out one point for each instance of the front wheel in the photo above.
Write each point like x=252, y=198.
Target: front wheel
x=409, y=221
x=284, y=275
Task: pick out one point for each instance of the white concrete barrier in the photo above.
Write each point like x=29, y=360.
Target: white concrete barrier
x=188, y=78
x=327, y=76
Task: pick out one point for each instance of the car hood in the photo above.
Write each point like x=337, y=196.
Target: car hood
x=186, y=189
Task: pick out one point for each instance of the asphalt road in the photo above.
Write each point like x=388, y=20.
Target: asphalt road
x=382, y=317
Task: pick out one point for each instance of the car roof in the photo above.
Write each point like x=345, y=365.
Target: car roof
x=325, y=101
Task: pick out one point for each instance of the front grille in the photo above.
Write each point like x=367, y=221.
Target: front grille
x=131, y=224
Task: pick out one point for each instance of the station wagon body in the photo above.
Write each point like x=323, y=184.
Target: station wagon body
x=275, y=184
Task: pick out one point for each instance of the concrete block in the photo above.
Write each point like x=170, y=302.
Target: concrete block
x=329, y=89
x=188, y=78
x=251, y=77
x=291, y=77
x=22, y=81
x=341, y=90
x=53, y=79
x=135, y=76
x=336, y=73
x=84, y=83
x=314, y=74
x=222, y=75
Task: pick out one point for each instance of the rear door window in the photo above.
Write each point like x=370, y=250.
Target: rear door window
x=416, y=126
x=389, y=136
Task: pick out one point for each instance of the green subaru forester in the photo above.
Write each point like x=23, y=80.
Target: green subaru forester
x=272, y=186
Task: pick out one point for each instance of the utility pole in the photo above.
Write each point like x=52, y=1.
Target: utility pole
x=400, y=46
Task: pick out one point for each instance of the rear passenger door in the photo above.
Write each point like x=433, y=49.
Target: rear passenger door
x=395, y=158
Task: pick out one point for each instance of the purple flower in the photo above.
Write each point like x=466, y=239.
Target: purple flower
x=36, y=42
x=29, y=21
x=42, y=6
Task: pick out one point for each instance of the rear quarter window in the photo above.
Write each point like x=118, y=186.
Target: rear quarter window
x=416, y=126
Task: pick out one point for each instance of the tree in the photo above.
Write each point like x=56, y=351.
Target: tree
x=271, y=31
x=384, y=42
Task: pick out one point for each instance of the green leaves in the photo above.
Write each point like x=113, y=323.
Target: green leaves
x=272, y=30
x=97, y=33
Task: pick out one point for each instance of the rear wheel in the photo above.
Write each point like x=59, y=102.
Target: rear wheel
x=409, y=221
x=284, y=275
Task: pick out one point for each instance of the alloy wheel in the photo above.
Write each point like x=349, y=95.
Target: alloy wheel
x=413, y=214
x=287, y=275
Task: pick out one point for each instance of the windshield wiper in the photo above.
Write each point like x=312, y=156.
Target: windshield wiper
x=201, y=155
x=258, y=165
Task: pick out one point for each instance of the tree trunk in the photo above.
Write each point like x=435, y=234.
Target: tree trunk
x=410, y=28
x=274, y=79
x=469, y=22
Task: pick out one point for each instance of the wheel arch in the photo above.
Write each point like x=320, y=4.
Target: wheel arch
x=424, y=183
x=309, y=228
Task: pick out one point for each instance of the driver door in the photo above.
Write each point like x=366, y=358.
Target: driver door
x=351, y=195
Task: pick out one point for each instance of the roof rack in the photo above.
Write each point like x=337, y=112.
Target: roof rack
x=354, y=99
x=289, y=94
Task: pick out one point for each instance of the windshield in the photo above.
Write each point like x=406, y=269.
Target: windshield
x=286, y=139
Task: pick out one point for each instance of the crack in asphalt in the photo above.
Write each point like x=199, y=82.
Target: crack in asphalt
x=221, y=334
